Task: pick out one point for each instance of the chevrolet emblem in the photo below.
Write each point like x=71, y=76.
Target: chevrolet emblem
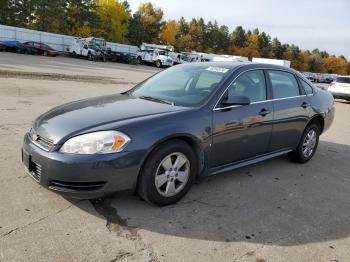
x=35, y=137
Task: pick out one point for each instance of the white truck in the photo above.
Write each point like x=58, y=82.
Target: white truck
x=88, y=47
x=229, y=58
x=280, y=62
x=186, y=57
x=157, y=55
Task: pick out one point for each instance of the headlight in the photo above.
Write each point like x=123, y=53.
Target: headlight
x=101, y=142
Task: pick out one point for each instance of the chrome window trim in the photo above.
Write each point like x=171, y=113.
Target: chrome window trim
x=267, y=100
x=259, y=102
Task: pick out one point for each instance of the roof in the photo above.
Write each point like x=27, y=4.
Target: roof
x=233, y=65
x=228, y=65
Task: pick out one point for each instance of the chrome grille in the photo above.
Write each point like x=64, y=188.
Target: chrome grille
x=42, y=142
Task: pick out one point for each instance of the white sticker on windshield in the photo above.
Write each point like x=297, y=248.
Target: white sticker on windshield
x=217, y=69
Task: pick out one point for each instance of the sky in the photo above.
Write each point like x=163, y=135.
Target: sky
x=310, y=24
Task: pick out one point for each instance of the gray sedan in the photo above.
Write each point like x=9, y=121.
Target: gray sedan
x=188, y=121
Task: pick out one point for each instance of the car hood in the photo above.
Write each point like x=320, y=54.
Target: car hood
x=76, y=117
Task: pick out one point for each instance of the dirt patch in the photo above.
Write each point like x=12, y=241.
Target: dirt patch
x=63, y=77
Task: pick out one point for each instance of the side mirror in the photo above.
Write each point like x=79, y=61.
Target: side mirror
x=235, y=101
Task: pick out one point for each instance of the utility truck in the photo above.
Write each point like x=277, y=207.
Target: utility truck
x=186, y=57
x=91, y=48
x=158, y=55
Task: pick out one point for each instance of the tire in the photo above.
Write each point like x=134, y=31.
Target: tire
x=302, y=153
x=139, y=60
x=158, y=64
x=157, y=184
x=45, y=53
x=90, y=57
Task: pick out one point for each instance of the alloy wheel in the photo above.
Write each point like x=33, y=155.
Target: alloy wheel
x=172, y=174
x=309, y=143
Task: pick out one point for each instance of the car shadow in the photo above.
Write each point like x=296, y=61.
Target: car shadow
x=276, y=202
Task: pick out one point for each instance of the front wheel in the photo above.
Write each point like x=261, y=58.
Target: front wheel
x=168, y=173
x=90, y=57
x=307, y=145
x=158, y=64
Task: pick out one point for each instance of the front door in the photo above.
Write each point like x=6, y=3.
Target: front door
x=242, y=132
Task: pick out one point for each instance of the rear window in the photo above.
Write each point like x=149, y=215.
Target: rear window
x=308, y=89
x=345, y=80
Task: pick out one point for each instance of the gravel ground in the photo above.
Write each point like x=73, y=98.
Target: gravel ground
x=272, y=211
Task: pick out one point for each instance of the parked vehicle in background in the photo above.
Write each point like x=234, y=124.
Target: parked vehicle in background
x=157, y=57
x=123, y=57
x=12, y=46
x=309, y=76
x=2, y=47
x=279, y=62
x=145, y=46
x=340, y=88
x=186, y=57
x=28, y=49
x=39, y=48
x=100, y=43
x=228, y=58
x=328, y=78
x=82, y=48
x=189, y=121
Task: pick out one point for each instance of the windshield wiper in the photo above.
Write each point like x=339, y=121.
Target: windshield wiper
x=156, y=99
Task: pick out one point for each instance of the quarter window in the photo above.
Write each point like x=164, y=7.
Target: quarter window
x=250, y=84
x=308, y=89
x=283, y=84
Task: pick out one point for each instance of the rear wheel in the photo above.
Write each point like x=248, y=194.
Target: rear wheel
x=168, y=173
x=45, y=53
x=139, y=60
x=308, y=144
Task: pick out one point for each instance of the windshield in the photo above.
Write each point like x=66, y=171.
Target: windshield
x=163, y=53
x=182, y=85
x=345, y=80
x=99, y=42
x=93, y=47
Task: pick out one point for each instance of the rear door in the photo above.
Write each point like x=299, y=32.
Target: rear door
x=291, y=110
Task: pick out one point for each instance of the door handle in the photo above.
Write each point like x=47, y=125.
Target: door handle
x=305, y=105
x=264, y=112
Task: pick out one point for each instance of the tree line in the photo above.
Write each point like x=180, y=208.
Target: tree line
x=114, y=21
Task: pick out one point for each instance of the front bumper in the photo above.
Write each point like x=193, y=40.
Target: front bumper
x=81, y=176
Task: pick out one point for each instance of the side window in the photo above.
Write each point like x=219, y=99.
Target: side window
x=250, y=84
x=308, y=89
x=283, y=84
